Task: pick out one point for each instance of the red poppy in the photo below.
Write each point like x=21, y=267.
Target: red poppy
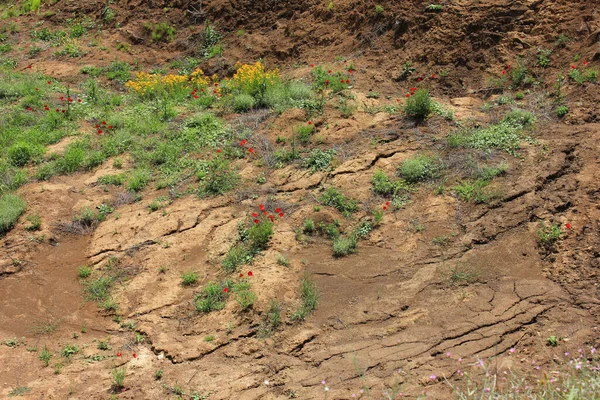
x=57, y=110
x=218, y=150
x=503, y=72
x=225, y=290
x=29, y=66
x=243, y=143
x=215, y=91
x=348, y=81
x=251, y=150
x=134, y=355
x=585, y=62
x=256, y=221
x=70, y=100
x=62, y=97
x=419, y=79
x=341, y=81
x=110, y=127
x=281, y=214
x=118, y=354
x=249, y=273
x=195, y=96
x=407, y=94
x=37, y=89
x=309, y=122
x=350, y=70
x=312, y=65
x=329, y=71
x=573, y=67
x=79, y=100
x=384, y=208
x=97, y=126
x=49, y=82
x=29, y=108
x=103, y=122
x=261, y=207
x=568, y=225
x=265, y=213
x=387, y=203
x=271, y=217
x=327, y=82
x=46, y=108
x=202, y=90
x=99, y=131
x=507, y=66
x=241, y=275
x=278, y=210
x=216, y=84
x=413, y=89
x=254, y=215
x=432, y=76
x=64, y=111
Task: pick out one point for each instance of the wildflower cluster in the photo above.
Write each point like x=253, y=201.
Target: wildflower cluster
x=253, y=79
x=151, y=85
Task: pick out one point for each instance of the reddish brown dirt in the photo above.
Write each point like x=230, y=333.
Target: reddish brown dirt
x=387, y=315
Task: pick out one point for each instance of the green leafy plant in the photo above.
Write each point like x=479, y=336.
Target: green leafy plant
x=419, y=105
x=333, y=198
x=11, y=208
x=561, y=111
x=212, y=297
x=309, y=296
x=162, y=31
x=189, y=278
x=548, y=235
x=420, y=168
x=118, y=378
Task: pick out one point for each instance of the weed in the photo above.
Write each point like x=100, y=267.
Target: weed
x=209, y=39
x=243, y=295
x=561, y=111
x=103, y=345
x=379, y=9
x=552, y=341
x=309, y=296
x=473, y=191
x=343, y=246
x=99, y=288
x=543, y=59
x=319, y=160
x=435, y=7
x=407, y=70
x=333, y=198
x=160, y=32
x=84, y=272
x=309, y=226
x=35, y=223
x=419, y=105
x=19, y=390
x=420, y=168
x=463, y=274
x=69, y=351
x=118, y=378
x=212, y=297
x=548, y=235
x=283, y=261
x=562, y=40
x=209, y=338
x=218, y=177
x=189, y=278
x=271, y=319
x=158, y=374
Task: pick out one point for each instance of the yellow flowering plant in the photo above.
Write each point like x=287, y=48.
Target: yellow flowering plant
x=253, y=79
x=155, y=85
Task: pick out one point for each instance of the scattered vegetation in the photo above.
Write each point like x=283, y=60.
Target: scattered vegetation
x=309, y=296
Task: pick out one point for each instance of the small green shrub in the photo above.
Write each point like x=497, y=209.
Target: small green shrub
x=237, y=256
x=244, y=297
x=189, y=278
x=45, y=356
x=271, y=319
x=84, y=271
x=259, y=235
x=11, y=208
x=419, y=105
x=219, y=177
x=35, y=223
x=333, y=198
x=99, y=288
x=548, y=235
x=473, y=191
x=213, y=296
x=118, y=378
x=420, y=168
x=561, y=111
x=138, y=180
x=343, y=246
x=309, y=296
x=243, y=102
x=319, y=160
x=309, y=226
x=69, y=351
x=160, y=32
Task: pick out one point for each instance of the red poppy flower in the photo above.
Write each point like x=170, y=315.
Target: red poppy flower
x=327, y=82
x=79, y=100
x=432, y=76
x=568, y=225
x=70, y=100
x=225, y=290
x=585, y=62
x=278, y=210
x=507, y=66
x=350, y=70
x=37, y=89
x=265, y=213
x=249, y=273
x=215, y=91
x=281, y=214
x=384, y=208
x=57, y=110
x=134, y=355
x=64, y=111
x=419, y=79
x=110, y=127
x=241, y=275
x=97, y=126
x=503, y=72
x=413, y=89
x=271, y=217
x=341, y=81
x=29, y=108
x=195, y=96
x=218, y=150
x=243, y=143
x=348, y=81
x=251, y=150
x=46, y=108
x=103, y=122
x=261, y=207
x=573, y=67
x=329, y=71
x=99, y=131
x=62, y=97
x=202, y=90
x=312, y=65
x=309, y=122
x=254, y=215
x=387, y=203
x=256, y=221
x=49, y=82
x=118, y=354
x=29, y=66
x=216, y=84
x=407, y=94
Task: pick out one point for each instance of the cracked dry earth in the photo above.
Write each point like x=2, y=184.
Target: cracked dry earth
x=387, y=315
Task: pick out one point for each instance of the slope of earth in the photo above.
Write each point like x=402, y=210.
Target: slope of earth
x=483, y=257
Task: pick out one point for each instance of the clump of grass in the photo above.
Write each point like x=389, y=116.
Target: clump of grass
x=463, y=274
x=189, y=278
x=236, y=256
x=45, y=356
x=118, y=378
x=160, y=32
x=271, y=319
x=309, y=297
x=561, y=111
x=333, y=198
x=344, y=245
x=473, y=190
x=212, y=297
x=243, y=295
x=548, y=236
x=11, y=208
x=84, y=271
x=69, y=351
x=319, y=160
x=99, y=288
x=419, y=105
x=35, y=223
x=219, y=177
x=283, y=261
x=420, y=168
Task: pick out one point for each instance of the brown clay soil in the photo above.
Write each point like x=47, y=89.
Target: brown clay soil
x=387, y=314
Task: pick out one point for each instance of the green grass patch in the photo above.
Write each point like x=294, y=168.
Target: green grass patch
x=11, y=208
